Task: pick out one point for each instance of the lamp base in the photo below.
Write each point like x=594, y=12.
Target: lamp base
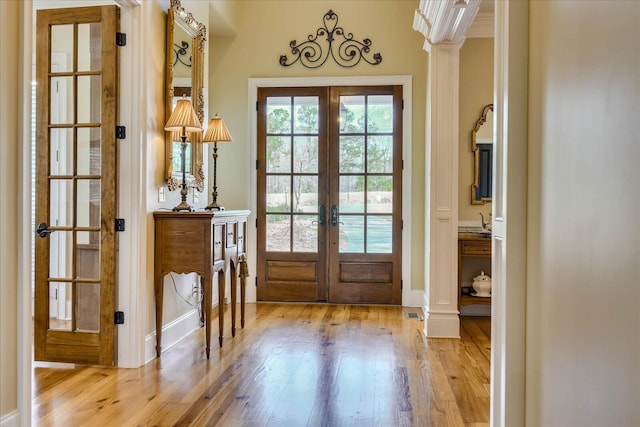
x=214, y=207
x=183, y=206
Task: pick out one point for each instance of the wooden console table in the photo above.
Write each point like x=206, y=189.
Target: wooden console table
x=471, y=245
x=202, y=243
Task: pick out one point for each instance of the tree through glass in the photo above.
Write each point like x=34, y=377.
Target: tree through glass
x=366, y=174
x=292, y=174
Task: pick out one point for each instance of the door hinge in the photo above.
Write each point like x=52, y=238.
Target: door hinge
x=402, y=224
x=121, y=39
x=118, y=318
x=256, y=165
x=403, y=104
x=256, y=281
x=402, y=167
x=119, y=224
x=401, y=285
x=256, y=222
x=121, y=132
x=257, y=108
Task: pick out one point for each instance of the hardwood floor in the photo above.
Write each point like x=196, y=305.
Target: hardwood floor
x=292, y=365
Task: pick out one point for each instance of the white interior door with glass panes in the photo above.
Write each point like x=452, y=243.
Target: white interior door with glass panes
x=329, y=194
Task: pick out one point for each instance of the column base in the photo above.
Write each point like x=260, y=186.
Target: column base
x=441, y=324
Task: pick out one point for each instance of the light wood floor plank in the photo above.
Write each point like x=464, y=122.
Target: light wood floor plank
x=292, y=365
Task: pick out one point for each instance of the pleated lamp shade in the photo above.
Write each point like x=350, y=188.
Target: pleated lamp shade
x=183, y=118
x=217, y=131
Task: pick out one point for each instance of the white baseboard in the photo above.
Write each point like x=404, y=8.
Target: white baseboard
x=250, y=295
x=12, y=419
x=441, y=324
x=172, y=333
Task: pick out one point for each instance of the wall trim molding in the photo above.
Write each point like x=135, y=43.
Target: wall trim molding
x=444, y=22
x=509, y=253
x=441, y=324
x=483, y=26
x=132, y=204
x=25, y=276
x=172, y=333
x=406, y=82
x=12, y=419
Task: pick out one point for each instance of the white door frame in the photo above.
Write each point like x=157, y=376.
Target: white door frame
x=509, y=255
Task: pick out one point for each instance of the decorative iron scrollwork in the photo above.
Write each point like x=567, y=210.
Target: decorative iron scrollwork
x=180, y=50
x=347, y=53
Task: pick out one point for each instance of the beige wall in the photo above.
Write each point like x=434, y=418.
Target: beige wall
x=9, y=143
x=583, y=286
x=476, y=91
x=253, y=36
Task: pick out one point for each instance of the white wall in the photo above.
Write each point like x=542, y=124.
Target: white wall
x=583, y=316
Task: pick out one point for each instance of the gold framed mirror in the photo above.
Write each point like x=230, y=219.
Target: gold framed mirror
x=184, y=77
x=482, y=148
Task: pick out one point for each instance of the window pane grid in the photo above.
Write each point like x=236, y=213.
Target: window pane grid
x=367, y=125
x=292, y=173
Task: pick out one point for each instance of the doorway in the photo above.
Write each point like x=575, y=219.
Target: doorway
x=329, y=174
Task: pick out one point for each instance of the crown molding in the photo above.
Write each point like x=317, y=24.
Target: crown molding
x=483, y=26
x=445, y=22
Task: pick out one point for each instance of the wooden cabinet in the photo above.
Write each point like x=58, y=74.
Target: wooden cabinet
x=471, y=245
x=202, y=243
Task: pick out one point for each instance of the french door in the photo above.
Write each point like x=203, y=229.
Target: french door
x=329, y=194
x=76, y=106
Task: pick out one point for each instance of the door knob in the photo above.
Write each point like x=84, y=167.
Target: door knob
x=42, y=230
x=334, y=215
x=322, y=217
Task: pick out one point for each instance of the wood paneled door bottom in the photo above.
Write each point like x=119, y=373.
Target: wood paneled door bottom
x=296, y=365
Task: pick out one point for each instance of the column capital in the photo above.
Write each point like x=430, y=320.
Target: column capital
x=444, y=21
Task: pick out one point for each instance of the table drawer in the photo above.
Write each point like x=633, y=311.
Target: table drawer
x=473, y=247
x=232, y=232
x=218, y=232
x=240, y=239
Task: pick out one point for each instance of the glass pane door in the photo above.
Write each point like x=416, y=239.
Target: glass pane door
x=292, y=186
x=329, y=187
x=365, y=195
x=75, y=187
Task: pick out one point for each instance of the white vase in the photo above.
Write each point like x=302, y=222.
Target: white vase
x=482, y=285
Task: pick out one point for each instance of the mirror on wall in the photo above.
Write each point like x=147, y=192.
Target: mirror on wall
x=482, y=148
x=184, y=76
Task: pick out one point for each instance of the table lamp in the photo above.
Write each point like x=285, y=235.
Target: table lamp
x=183, y=119
x=217, y=132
